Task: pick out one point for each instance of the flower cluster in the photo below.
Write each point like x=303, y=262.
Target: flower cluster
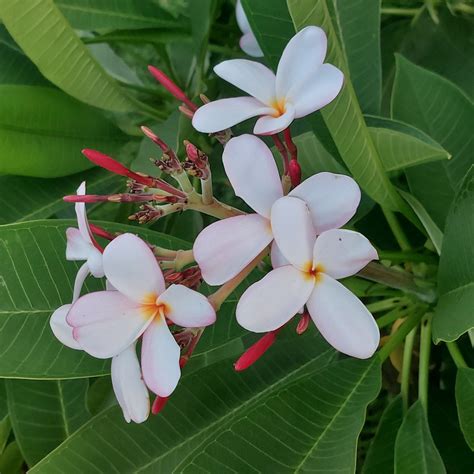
x=150, y=296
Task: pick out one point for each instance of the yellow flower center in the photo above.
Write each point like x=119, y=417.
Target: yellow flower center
x=280, y=107
x=313, y=272
x=150, y=307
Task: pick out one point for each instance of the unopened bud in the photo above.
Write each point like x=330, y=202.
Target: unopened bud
x=303, y=323
x=294, y=171
x=254, y=352
x=204, y=99
x=158, y=404
x=186, y=111
x=146, y=214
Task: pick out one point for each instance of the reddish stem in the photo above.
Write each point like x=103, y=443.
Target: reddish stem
x=101, y=232
x=289, y=144
x=283, y=152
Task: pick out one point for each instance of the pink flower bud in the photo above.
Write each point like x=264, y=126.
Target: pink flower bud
x=158, y=404
x=294, y=171
x=303, y=323
x=254, y=352
x=191, y=151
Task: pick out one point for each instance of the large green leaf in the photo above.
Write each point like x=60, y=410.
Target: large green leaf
x=45, y=413
x=380, y=457
x=43, y=131
x=25, y=199
x=439, y=108
x=358, y=23
x=97, y=14
x=454, y=314
x=344, y=118
x=50, y=42
x=290, y=413
x=415, y=451
x=465, y=403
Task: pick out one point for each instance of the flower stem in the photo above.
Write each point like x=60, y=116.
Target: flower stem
x=215, y=209
x=424, y=364
x=406, y=256
x=283, y=152
x=396, y=229
x=386, y=304
x=206, y=189
x=406, y=368
x=456, y=355
x=391, y=316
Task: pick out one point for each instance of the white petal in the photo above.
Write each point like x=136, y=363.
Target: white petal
x=342, y=319
x=129, y=387
x=249, y=45
x=131, y=267
x=325, y=84
x=241, y=17
x=95, y=262
x=186, y=307
x=341, y=253
x=106, y=322
x=277, y=258
x=304, y=51
x=82, y=222
x=225, y=113
x=77, y=248
x=249, y=76
x=224, y=248
x=252, y=172
x=293, y=231
x=81, y=276
x=269, y=124
x=61, y=328
x=274, y=300
x=332, y=199
x=160, y=358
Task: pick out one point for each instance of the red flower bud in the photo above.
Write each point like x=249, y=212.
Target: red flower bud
x=254, y=352
x=294, y=171
x=303, y=323
x=158, y=404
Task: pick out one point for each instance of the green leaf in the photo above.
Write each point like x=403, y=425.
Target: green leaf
x=401, y=146
x=288, y=414
x=381, y=455
x=454, y=314
x=436, y=106
x=5, y=425
x=358, y=23
x=87, y=15
x=415, y=451
x=43, y=131
x=465, y=403
x=49, y=41
x=44, y=414
x=11, y=460
x=344, y=119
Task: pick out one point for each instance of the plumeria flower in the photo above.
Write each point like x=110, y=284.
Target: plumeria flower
x=311, y=279
x=248, y=42
x=105, y=323
x=225, y=247
x=302, y=85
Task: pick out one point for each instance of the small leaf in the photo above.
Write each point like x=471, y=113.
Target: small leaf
x=465, y=403
x=11, y=460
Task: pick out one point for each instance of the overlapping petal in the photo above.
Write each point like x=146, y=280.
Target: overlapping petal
x=106, y=322
x=131, y=267
x=331, y=198
x=272, y=301
x=252, y=172
x=270, y=124
x=249, y=76
x=225, y=113
x=342, y=318
x=250, y=46
x=80, y=208
x=160, y=358
x=276, y=257
x=342, y=253
x=226, y=247
x=186, y=307
x=61, y=328
x=129, y=388
x=76, y=247
x=293, y=231
x=241, y=17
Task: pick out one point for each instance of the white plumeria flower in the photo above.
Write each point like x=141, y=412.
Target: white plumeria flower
x=108, y=322
x=225, y=247
x=302, y=85
x=248, y=42
x=311, y=279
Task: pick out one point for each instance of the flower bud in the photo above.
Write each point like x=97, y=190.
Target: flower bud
x=254, y=352
x=158, y=404
x=294, y=171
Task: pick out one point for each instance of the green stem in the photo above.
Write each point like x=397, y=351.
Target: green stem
x=406, y=368
x=456, y=355
x=406, y=256
x=392, y=316
x=386, y=304
x=424, y=364
x=396, y=229
x=399, y=11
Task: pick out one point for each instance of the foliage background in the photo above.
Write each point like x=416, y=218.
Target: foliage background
x=73, y=75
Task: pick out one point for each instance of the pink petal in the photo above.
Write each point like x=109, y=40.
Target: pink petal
x=304, y=51
x=226, y=247
x=129, y=388
x=249, y=76
x=186, y=307
x=160, y=358
x=249, y=45
x=342, y=319
x=341, y=253
x=77, y=248
x=225, y=113
x=61, y=328
x=131, y=267
x=106, y=322
x=269, y=124
x=293, y=231
x=274, y=300
x=246, y=160
x=332, y=199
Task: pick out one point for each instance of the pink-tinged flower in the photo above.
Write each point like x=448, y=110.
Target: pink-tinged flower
x=129, y=387
x=247, y=42
x=224, y=248
x=108, y=322
x=311, y=279
x=302, y=85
